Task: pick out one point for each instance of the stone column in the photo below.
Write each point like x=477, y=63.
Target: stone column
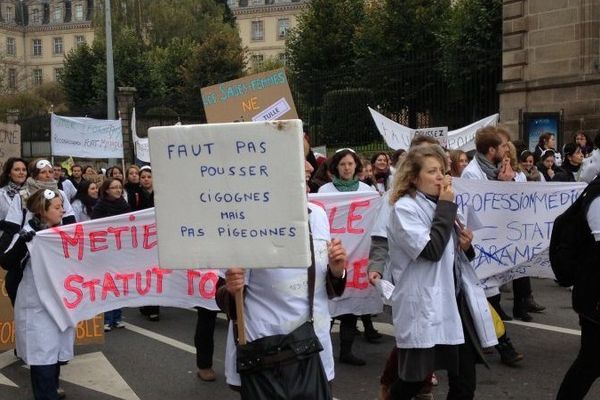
x=125, y=103
x=12, y=116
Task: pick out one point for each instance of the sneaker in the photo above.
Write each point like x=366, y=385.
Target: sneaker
x=533, y=306
x=508, y=355
x=119, y=325
x=207, y=374
x=154, y=317
x=61, y=393
x=107, y=328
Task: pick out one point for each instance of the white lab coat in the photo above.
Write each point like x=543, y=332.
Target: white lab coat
x=425, y=311
x=15, y=213
x=590, y=167
x=38, y=338
x=473, y=171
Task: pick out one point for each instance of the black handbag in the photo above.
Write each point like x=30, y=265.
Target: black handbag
x=285, y=367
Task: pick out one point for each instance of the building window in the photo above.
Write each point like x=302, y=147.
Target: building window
x=37, y=77
x=78, y=12
x=12, y=78
x=243, y=3
x=35, y=16
x=11, y=46
x=8, y=14
x=257, y=60
x=57, y=14
x=282, y=57
x=57, y=73
x=79, y=40
x=283, y=26
x=258, y=30
x=268, y=2
x=37, y=47
x=58, y=45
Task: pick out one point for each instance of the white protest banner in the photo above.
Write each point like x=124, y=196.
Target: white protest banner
x=10, y=142
x=87, y=268
x=351, y=216
x=398, y=136
x=516, y=223
x=464, y=138
x=243, y=201
x=86, y=137
x=141, y=146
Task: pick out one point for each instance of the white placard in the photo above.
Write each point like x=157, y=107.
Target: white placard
x=230, y=195
x=464, y=138
x=84, y=269
x=274, y=111
x=141, y=145
x=515, y=221
x=86, y=137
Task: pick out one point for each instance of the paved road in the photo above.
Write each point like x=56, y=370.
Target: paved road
x=152, y=361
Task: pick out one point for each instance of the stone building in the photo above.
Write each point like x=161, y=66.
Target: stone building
x=35, y=36
x=263, y=26
x=551, y=63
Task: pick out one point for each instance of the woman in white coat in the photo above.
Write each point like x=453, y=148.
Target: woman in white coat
x=14, y=174
x=440, y=314
x=40, y=342
x=345, y=167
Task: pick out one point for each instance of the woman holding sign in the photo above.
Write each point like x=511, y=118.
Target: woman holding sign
x=111, y=203
x=345, y=167
x=40, y=342
x=440, y=314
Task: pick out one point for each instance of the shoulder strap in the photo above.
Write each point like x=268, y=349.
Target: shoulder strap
x=311, y=275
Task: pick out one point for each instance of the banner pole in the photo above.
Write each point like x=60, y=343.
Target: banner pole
x=239, y=309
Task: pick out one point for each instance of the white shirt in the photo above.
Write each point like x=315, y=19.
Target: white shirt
x=276, y=300
x=593, y=218
x=69, y=189
x=79, y=211
x=590, y=167
x=15, y=213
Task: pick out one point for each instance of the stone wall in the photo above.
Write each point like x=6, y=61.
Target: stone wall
x=551, y=62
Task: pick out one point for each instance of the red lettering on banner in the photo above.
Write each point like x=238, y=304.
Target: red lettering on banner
x=159, y=277
x=134, y=241
x=117, y=232
x=95, y=238
x=332, y=213
x=78, y=293
x=359, y=276
x=149, y=231
x=109, y=285
x=125, y=279
x=205, y=279
x=138, y=282
x=77, y=240
x=91, y=287
x=353, y=217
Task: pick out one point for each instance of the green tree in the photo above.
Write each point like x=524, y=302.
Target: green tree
x=77, y=78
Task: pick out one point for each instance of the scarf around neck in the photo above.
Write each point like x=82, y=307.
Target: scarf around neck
x=490, y=170
x=31, y=186
x=12, y=189
x=344, y=185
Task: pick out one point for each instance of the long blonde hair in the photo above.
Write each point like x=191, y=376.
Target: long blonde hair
x=405, y=177
x=514, y=161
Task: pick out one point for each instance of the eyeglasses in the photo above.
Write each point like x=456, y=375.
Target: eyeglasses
x=49, y=194
x=41, y=164
x=346, y=148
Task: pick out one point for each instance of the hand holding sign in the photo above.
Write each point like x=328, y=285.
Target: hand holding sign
x=234, y=280
x=337, y=257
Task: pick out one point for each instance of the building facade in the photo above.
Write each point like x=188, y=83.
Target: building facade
x=36, y=35
x=263, y=26
x=551, y=64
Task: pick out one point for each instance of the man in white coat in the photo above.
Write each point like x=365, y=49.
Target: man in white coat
x=491, y=144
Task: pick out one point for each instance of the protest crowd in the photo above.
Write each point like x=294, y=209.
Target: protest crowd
x=444, y=318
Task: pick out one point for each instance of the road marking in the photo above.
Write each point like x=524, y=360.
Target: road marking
x=544, y=327
x=7, y=358
x=163, y=339
x=93, y=371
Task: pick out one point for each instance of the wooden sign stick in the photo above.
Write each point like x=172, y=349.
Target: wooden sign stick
x=239, y=309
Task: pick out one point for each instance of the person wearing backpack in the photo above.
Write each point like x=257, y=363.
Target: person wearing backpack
x=584, y=214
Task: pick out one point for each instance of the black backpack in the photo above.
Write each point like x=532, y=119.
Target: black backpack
x=572, y=238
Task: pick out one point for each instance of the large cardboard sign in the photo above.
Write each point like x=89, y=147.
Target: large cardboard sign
x=87, y=268
x=87, y=332
x=512, y=222
x=10, y=142
x=260, y=97
x=86, y=137
x=230, y=195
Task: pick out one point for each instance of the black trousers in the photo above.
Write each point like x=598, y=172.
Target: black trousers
x=204, y=337
x=44, y=381
x=586, y=367
x=521, y=289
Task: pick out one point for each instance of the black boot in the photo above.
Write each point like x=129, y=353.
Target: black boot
x=371, y=334
x=533, y=306
x=346, y=356
x=495, y=302
x=508, y=355
x=520, y=310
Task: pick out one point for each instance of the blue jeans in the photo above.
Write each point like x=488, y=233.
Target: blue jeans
x=112, y=317
x=44, y=381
